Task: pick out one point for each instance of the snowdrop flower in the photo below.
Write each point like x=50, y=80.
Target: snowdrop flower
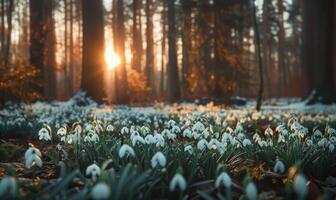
x=160, y=141
x=78, y=129
x=93, y=171
x=279, y=167
x=137, y=139
x=331, y=131
x=109, y=128
x=189, y=149
x=187, y=133
x=149, y=139
x=176, y=130
x=160, y=159
x=171, y=123
x=246, y=142
x=177, y=182
x=44, y=134
x=300, y=186
x=124, y=130
x=198, y=127
x=202, y=144
x=62, y=131
x=269, y=131
x=100, y=191
x=8, y=186
x=251, y=191
x=91, y=137
x=224, y=179
x=145, y=130
x=32, y=150
x=32, y=157
x=32, y=160
x=331, y=147
x=126, y=150
x=323, y=142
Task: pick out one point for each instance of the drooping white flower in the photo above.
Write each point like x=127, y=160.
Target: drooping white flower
x=62, y=131
x=176, y=130
x=124, y=130
x=331, y=131
x=224, y=179
x=32, y=150
x=93, y=171
x=279, y=167
x=198, y=127
x=78, y=129
x=126, y=150
x=137, y=139
x=44, y=134
x=177, y=182
x=92, y=136
x=246, y=142
x=110, y=128
x=32, y=160
x=100, y=191
x=251, y=191
x=187, y=133
x=202, y=144
x=331, y=147
x=269, y=131
x=160, y=141
x=33, y=157
x=8, y=186
x=189, y=149
x=160, y=159
x=300, y=186
x=150, y=139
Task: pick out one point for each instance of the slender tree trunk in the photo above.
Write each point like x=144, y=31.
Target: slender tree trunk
x=149, y=68
x=93, y=49
x=283, y=68
x=163, y=48
x=137, y=41
x=37, y=41
x=71, y=49
x=10, y=10
x=173, y=77
x=266, y=47
x=186, y=46
x=121, y=73
x=2, y=32
x=50, y=89
x=258, y=51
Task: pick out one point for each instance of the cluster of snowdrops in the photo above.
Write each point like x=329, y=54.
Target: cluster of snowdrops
x=180, y=154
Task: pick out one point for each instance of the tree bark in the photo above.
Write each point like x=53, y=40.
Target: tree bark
x=121, y=73
x=173, y=77
x=149, y=68
x=137, y=36
x=37, y=41
x=258, y=51
x=319, y=50
x=93, y=49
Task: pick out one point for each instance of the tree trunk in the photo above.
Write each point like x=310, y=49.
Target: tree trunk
x=37, y=41
x=137, y=41
x=50, y=89
x=267, y=58
x=282, y=66
x=149, y=68
x=93, y=49
x=319, y=49
x=258, y=51
x=163, y=48
x=10, y=9
x=173, y=77
x=121, y=73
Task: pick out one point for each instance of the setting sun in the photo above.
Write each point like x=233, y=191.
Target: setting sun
x=111, y=58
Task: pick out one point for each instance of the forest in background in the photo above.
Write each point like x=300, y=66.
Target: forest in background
x=168, y=50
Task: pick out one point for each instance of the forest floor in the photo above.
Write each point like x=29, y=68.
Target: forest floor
x=71, y=150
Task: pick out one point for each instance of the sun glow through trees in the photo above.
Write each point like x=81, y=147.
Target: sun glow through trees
x=111, y=58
